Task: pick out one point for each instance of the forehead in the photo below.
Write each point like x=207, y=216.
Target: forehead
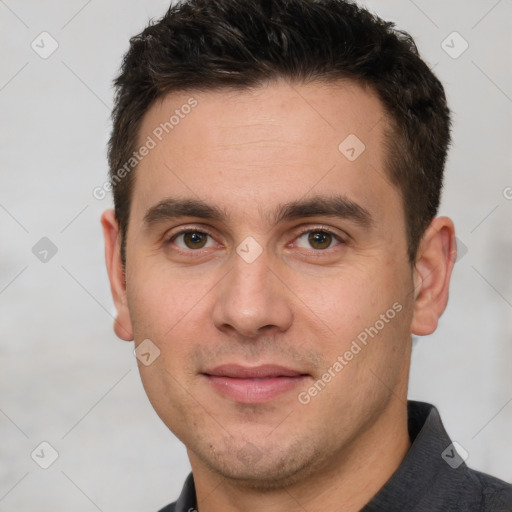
x=249, y=150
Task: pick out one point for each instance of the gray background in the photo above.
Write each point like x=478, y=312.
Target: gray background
x=67, y=380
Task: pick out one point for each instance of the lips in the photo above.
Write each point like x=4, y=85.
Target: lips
x=253, y=385
x=256, y=372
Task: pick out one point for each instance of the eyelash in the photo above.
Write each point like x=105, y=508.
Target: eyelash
x=203, y=231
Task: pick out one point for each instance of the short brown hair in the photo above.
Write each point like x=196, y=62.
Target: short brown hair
x=215, y=44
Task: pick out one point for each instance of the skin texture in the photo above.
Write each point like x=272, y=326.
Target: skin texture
x=296, y=305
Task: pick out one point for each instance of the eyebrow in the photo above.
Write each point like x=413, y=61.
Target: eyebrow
x=171, y=208
x=329, y=206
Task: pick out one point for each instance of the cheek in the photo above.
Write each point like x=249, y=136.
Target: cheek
x=160, y=299
x=364, y=312
x=173, y=310
x=343, y=299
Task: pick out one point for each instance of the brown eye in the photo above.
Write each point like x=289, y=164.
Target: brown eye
x=191, y=240
x=320, y=239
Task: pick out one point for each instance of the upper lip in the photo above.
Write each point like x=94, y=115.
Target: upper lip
x=263, y=371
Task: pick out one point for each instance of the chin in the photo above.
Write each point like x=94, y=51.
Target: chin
x=263, y=471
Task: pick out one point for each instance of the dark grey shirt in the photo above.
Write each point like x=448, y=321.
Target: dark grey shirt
x=431, y=478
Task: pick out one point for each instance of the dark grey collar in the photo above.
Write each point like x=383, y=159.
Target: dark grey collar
x=425, y=480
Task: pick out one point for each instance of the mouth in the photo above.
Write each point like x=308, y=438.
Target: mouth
x=253, y=385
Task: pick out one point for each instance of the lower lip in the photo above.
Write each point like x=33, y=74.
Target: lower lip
x=254, y=391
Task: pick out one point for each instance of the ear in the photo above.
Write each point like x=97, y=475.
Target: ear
x=122, y=324
x=432, y=271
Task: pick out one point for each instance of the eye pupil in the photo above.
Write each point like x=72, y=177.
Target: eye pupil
x=320, y=239
x=194, y=240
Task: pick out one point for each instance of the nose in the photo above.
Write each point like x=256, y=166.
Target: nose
x=251, y=299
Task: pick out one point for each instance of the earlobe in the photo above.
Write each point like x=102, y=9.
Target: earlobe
x=432, y=272
x=122, y=323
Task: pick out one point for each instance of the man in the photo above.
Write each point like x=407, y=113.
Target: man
x=276, y=169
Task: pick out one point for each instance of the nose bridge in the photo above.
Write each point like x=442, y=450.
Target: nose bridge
x=251, y=297
x=250, y=278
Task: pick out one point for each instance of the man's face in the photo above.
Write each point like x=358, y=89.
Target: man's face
x=294, y=249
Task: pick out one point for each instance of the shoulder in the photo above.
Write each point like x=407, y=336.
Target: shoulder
x=495, y=493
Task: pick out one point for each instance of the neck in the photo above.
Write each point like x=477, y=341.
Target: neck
x=354, y=475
